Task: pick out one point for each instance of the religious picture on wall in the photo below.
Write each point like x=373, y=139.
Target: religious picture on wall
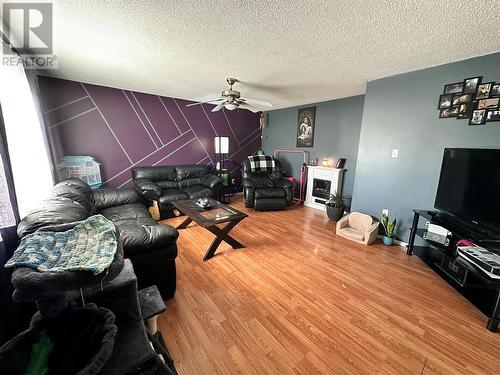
x=305, y=127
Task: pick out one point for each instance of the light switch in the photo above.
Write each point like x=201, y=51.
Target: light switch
x=395, y=153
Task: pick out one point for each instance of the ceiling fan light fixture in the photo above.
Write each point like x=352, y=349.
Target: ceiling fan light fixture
x=231, y=100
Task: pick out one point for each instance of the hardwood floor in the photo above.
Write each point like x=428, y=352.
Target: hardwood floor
x=300, y=300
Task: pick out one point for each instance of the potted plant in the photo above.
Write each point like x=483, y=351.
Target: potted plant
x=335, y=206
x=389, y=227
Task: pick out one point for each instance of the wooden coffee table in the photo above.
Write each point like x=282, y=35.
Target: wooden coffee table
x=208, y=218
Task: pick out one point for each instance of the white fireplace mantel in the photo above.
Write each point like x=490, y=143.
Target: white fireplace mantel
x=333, y=175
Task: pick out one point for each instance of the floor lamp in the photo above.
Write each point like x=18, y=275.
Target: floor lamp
x=221, y=147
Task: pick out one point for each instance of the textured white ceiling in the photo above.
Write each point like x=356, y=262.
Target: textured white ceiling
x=286, y=52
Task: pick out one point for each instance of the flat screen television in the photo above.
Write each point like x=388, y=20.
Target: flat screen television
x=469, y=186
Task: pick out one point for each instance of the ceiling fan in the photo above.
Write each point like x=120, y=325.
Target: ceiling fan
x=231, y=100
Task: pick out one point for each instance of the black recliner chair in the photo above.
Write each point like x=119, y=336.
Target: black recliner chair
x=266, y=190
x=166, y=184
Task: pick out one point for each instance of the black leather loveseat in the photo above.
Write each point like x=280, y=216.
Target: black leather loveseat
x=266, y=190
x=166, y=184
x=151, y=247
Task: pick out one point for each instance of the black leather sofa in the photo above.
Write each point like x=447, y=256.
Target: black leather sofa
x=266, y=190
x=151, y=247
x=166, y=184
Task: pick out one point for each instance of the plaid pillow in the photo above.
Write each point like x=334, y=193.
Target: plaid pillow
x=261, y=163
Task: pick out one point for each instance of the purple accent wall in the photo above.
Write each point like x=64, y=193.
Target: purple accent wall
x=122, y=128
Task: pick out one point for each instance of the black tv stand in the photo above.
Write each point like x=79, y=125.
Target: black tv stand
x=475, y=229
x=465, y=276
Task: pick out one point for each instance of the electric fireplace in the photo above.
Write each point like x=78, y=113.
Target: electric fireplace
x=321, y=182
x=321, y=188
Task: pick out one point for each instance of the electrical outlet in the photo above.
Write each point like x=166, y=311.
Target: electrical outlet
x=385, y=211
x=395, y=153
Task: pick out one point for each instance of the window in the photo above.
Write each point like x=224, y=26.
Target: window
x=7, y=218
x=28, y=154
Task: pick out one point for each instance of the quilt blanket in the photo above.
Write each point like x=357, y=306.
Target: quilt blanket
x=89, y=246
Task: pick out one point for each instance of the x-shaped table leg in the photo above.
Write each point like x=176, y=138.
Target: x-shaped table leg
x=222, y=234
x=184, y=224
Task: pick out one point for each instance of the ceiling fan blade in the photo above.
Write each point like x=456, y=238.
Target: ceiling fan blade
x=218, y=106
x=211, y=101
x=262, y=103
x=244, y=105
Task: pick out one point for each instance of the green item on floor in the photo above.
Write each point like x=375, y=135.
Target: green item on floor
x=224, y=176
x=39, y=359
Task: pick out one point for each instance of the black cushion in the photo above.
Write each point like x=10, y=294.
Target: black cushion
x=77, y=190
x=170, y=195
x=276, y=175
x=74, y=195
x=147, y=188
x=190, y=182
x=110, y=197
x=141, y=235
x=270, y=193
x=78, y=184
x=258, y=181
x=168, y=184
x=198, y=191
x=156, y=173
x=270, y=204
x=191, y=171
x=287, y=184
x=52, y=212
x=126, y=211
x=211, y=181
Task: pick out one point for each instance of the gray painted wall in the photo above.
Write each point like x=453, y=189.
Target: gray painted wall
x=400, y=112
x=338, y=125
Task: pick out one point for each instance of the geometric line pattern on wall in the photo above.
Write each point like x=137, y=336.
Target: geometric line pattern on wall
x=145, y=128
x=168, y=112
x=107, y=123
x=122, y=129
x=189, y=124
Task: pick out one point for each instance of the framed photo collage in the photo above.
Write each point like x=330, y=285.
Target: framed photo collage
x=471, y=99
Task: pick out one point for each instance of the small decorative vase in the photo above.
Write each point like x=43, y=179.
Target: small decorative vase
x=388, y=240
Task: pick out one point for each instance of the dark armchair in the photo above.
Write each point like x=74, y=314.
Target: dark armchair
x=266, y=190
x=166, y=184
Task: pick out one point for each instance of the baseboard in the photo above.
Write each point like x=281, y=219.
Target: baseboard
x=397, y=242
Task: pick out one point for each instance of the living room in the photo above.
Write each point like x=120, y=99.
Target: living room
x=251, y=187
